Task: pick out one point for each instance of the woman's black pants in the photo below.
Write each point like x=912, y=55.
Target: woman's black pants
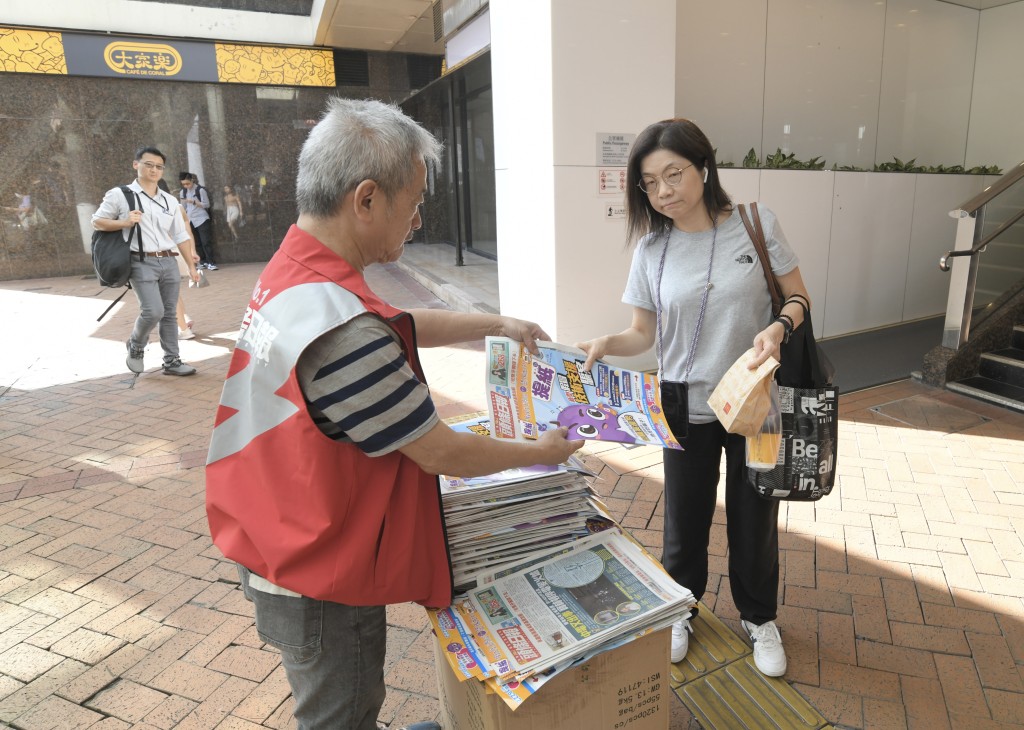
x=691, y=488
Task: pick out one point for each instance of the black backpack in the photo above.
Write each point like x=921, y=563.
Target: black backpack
x=112, y=255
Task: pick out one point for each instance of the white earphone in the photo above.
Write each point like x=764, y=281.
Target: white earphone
x=705, y=174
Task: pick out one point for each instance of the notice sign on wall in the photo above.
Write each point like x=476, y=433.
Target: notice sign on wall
x=24, y=50
x=611, y=181
x=613, y=149
x=613, y=211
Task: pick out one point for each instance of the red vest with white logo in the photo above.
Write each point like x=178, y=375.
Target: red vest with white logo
x=308, y=513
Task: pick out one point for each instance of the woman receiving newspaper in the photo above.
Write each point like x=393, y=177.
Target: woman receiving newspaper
x=699, y=295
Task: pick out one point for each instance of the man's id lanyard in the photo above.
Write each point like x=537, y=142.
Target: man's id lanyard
x=700, y=317
x=163, y=206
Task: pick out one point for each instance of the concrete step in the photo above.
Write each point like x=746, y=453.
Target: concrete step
x=992, y=391
x=1006, y=366
x=1017, y=338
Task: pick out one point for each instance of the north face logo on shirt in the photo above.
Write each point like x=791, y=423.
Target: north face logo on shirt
x=744, y=258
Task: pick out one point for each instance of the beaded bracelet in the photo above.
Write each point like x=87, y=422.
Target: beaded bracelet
x=787, y=325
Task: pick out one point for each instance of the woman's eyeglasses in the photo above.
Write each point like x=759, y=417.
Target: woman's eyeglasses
x=672, y=177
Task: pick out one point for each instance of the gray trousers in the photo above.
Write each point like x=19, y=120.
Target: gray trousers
x=156, y=283
x=333, y=656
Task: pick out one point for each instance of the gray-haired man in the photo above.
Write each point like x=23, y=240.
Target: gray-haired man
x=321, y=480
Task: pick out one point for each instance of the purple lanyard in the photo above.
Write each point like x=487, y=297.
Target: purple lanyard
x=703, y=307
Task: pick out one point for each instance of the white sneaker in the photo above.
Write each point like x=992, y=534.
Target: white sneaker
x=681, y=631
x=185, y=334
x=769, y=656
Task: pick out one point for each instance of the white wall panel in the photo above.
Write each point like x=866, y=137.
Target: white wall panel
x=998, y=104
x=563, y=263
x=927, y=75
x=720, y=71
x=742, y=185
x=868, y=249
x=600, y=80
x=933, y=233
x=822, y=78
x=591, y=261
x=802, y=200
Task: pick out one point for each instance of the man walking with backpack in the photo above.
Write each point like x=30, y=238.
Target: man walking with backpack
x=154, y=278
x=196, y=200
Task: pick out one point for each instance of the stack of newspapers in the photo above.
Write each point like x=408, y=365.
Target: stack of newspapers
x=503, y=519
x=544, y=578
x=522, y=626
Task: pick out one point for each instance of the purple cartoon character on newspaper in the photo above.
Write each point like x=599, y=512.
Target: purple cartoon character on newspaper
x=600, y=422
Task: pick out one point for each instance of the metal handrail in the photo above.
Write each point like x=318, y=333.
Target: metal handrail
x=963, y=279
x=980, y=245
x=973, y=205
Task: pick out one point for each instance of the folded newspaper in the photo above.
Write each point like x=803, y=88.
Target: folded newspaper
x=528, y=394
x=520, y=627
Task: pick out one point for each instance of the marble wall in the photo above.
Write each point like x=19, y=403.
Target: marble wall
x=66, y=140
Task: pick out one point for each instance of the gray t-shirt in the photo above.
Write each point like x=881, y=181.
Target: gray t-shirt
x=739, y=305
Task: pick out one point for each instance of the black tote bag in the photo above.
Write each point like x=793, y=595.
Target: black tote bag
x=806, y=462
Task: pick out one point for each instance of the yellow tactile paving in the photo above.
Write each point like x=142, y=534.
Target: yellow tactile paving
x=712, y=646
x=739, y=696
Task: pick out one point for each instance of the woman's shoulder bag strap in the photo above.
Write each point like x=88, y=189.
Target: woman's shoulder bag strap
x=756, y=233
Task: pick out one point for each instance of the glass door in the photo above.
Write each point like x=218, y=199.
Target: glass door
x=479, y=191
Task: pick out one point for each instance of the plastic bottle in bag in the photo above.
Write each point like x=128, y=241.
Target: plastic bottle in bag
x=763, y=448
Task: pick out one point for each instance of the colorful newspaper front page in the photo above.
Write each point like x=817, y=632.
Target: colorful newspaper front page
x=528, y=394
x=481, y=425
x=605, y=586
x=518, y=629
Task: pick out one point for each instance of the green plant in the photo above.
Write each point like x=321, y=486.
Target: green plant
x=898, y=165
x=779, y=160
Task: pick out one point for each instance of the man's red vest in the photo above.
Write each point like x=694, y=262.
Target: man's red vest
x=307, y=513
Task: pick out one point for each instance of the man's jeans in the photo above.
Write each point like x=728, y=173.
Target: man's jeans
x=333, y=656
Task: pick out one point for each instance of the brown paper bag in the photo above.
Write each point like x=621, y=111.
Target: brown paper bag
x=742, y=399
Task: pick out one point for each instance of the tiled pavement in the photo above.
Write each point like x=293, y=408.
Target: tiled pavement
x=902, y=591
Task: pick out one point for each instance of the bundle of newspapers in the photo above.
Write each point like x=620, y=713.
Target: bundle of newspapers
x=499, y=520
x=519, y=628
x=545, y=579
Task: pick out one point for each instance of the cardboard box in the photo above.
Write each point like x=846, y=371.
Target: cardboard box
x=623, y=689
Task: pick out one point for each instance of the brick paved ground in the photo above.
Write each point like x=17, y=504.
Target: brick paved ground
x=902, y=594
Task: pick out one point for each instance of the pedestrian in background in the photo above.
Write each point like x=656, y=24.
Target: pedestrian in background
x=154, y=278
x=196, y=200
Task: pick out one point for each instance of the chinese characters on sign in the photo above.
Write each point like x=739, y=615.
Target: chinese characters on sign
x=142, y=59
x=613, y=149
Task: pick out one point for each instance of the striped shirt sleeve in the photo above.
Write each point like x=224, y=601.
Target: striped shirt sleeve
x=359, y=388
